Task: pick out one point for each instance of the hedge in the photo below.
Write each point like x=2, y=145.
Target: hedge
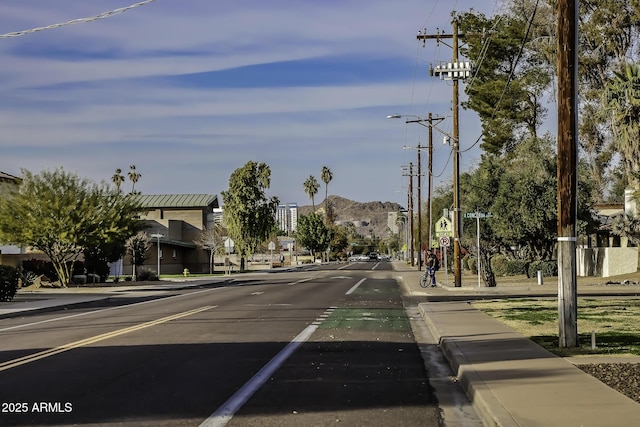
x=9, y=277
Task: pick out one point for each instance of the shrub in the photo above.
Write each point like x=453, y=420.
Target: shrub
x=473, y=265
x=9, y=277
x=548, y=268
x=144, y=274
x=40, y=267
x=503, y=266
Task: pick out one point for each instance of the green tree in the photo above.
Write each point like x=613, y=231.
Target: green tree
x=508, y=87
x=248, y=214
x=64, y=215
x=326, y=177
x=311, y=187
x=312, y=233
x=137, y=246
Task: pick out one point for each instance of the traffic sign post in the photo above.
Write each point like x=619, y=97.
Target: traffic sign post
x=477, y=215
x=444, y=247
x=271, y=247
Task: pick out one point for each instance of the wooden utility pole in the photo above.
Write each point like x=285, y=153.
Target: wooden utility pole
x=454, y=72
x=430, y=179
x=567, y=171
x=411, y=213
x=419, y=208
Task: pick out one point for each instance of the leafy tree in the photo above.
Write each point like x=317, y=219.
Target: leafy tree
x=339, y=240
x=211, y=239
x=312, y=233
x=64, y=215
x=627, y=226
x=311, y=187
x=137, y=246
x=508, y=87
x=248, y=213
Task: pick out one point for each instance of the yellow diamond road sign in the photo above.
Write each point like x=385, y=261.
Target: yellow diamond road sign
x=444, y=227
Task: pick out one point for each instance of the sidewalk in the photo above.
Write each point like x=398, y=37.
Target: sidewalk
x=510, y=380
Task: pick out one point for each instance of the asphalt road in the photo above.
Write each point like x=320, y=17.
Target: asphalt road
x=316, y=347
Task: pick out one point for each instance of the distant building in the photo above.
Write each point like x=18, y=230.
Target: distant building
x=287, y=217
x=392, y=222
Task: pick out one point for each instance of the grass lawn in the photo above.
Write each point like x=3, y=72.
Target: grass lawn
x=614, y=322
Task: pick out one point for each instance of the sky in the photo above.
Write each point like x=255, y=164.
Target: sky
x=190, y=90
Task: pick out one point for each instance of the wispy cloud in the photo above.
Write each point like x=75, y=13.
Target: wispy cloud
x=190, y=90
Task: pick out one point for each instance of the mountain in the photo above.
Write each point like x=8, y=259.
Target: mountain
x=366, y=216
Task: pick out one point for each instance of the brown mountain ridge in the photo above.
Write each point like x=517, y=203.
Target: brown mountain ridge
x=368, y=217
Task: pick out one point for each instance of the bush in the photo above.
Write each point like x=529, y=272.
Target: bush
x=472, y=264
x=9, y=277
x=144, y=274
x=503, y=266
x=40, y=268
x=548, y=268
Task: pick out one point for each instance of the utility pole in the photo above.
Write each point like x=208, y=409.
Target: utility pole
x=567, y=171
x=411, y=212
x=419, y=120
x=453, y=71
x=419, y=208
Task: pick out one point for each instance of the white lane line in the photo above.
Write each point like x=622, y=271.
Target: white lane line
x=375, y=266
x=224, y=413
x=299, y=281
x=106, y=309
x=350, y=291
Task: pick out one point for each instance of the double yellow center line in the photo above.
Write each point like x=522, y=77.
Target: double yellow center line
x=61, y=349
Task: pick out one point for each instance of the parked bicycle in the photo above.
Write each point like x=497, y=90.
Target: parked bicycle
x=428, y=278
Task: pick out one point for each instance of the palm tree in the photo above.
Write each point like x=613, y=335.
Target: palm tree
x=311, y=187
x=117, y=178
x=623, y=102
x=134, y=176
x=326, y=177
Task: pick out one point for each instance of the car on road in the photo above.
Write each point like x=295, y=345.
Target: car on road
x=373, y=256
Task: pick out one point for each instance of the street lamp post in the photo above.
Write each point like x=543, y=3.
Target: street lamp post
x=158, y=236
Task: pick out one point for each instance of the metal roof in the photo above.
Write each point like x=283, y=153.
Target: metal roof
x=177, y=200
x=6, y=177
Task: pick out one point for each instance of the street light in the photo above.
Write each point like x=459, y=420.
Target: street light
x=158, y=236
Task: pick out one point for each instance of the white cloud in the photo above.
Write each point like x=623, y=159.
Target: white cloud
x=85, y=96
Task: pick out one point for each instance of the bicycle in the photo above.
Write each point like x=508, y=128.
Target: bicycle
x=428, y=278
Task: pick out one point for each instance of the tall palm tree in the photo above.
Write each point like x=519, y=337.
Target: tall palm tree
x=326, y=177
x=311, y=187
x=134, y=176
x=117, y=178
x=623, y=102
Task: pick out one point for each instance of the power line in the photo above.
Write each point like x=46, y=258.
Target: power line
x=102, y=15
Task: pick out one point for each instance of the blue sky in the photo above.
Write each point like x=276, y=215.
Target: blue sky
x=190, y=90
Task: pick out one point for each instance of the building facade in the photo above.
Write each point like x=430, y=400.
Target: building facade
x=287, y=217
x=174, y=222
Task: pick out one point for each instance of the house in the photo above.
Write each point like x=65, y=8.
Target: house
x=603, y=253
x=9, y=183
x=174, y=222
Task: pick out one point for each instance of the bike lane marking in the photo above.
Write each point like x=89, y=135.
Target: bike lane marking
x=350, y=291
x=227, y=410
